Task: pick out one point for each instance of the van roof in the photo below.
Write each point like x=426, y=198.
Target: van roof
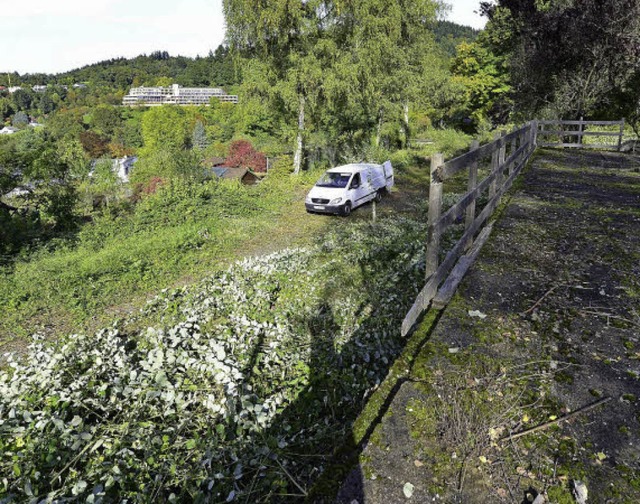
x=352, y=168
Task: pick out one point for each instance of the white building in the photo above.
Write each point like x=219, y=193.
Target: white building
x=120, y=166
x=123, y=166
x=175, y=95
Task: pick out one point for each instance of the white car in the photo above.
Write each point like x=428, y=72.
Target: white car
x=343, y=188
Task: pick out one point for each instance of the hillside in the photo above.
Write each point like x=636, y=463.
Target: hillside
x=232, y=380
x=215, y=69
x=449, y=35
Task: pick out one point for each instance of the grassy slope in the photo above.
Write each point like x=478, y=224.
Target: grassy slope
x=118, y=263
x=329, y=315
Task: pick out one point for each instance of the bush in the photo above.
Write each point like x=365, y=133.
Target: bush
x=401, y=159
x=282, y=166
x=243, y=155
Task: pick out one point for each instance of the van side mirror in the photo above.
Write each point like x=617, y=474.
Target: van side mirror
x=354, y=185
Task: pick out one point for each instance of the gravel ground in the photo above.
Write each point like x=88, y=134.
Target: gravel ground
x=557, y=288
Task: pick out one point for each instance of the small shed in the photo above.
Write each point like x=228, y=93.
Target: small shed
x=244, y=175
x=214, y=161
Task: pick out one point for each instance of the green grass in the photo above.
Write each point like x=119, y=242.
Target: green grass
x=116, y=262
x=183, y=232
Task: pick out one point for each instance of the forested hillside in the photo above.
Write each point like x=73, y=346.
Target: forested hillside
x=215, y=69
x=450, y=35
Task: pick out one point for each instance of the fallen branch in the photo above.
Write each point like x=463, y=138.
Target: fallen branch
x=611, y=316
x=304, y=492
x=8, y=208
x=537, y=303
x=557, y=420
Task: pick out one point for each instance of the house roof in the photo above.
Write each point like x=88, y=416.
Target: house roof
x=226, y=172
x=214, y=161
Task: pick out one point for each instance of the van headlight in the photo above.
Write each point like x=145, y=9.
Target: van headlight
x=307, y=199
x=336, y=201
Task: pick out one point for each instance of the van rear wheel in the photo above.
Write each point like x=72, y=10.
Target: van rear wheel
x=346, y=209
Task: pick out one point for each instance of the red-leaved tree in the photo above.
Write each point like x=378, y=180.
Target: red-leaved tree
x=243, y=155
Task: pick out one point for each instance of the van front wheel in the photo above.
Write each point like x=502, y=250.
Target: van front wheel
x=378, y=197
x=346, y=209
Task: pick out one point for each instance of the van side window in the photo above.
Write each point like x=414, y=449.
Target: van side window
x=355, y=181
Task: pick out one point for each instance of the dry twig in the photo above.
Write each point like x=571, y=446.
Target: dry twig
x=557, y=420
x=539, y=301
x=611, y=316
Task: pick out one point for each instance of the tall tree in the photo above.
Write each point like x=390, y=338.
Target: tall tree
x=332, y=65
x=287, y=37
x=568, y=57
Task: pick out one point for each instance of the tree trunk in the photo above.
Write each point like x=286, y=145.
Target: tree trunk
x=379, y=128
x=406, y=124
x=297, y=158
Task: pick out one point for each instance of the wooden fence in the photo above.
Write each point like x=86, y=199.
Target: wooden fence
x=562, y=133
x=508, y=153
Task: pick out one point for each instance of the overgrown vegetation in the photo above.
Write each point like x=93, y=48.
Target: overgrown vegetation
x=269, y=363
x=180, y=231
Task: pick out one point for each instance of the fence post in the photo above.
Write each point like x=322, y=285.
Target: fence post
x=471, y=185
x=580, y=130
x=534, y=133
x=495, y=155
x=514, y=161
x=501, y=157
x=435, y=208
x=621, y=134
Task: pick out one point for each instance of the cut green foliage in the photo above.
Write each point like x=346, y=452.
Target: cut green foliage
x=250, y=367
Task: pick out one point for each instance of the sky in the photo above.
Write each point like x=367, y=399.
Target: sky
x=52, y=36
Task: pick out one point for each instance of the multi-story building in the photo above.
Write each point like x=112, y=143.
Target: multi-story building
x=175, y=95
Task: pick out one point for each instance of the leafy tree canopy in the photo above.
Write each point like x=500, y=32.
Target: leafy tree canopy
x=569, y=58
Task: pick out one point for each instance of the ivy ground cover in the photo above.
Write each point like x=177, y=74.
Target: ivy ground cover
x=240, y=392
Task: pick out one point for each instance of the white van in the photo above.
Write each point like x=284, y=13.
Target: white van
x=343, y=188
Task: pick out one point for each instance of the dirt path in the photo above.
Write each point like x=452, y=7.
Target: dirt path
x=547, y=322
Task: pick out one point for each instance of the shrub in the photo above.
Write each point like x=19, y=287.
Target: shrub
x=401, y=159
x=243, y=155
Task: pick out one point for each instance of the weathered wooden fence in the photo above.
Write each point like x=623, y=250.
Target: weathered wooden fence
x=573, y=133
x=509, y=153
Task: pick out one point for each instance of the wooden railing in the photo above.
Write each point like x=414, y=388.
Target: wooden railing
x=562, y=133
x=508, y=153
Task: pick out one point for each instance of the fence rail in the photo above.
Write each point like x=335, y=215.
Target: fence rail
x=509, y=153
x=564, y=135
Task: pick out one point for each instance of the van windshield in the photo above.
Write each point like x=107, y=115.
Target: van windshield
x=332, y=179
